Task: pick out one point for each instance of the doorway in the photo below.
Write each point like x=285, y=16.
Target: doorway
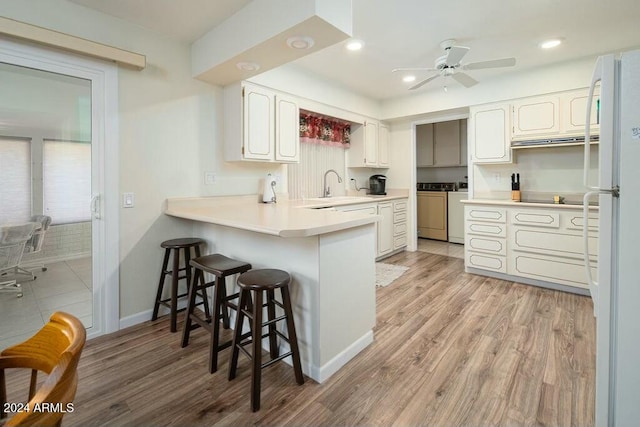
x=57, y=113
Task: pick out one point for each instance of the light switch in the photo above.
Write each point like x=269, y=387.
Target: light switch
x=128, y=200
x=209, y=178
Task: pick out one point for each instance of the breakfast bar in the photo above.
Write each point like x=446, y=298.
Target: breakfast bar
x=329, y=254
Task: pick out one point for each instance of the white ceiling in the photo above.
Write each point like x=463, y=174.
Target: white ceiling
x=407, y=33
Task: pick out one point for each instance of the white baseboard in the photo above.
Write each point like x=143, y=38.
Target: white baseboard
x=322, y=373
x=135, y=319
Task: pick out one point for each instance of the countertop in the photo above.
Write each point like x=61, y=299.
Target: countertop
x=286, y=218
x=511, y=203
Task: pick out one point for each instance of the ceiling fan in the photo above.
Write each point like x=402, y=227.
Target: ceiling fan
x=448, y=65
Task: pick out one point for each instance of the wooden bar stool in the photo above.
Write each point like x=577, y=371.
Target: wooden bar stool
x=221, y=267
x=259, y=281
x=172, y=302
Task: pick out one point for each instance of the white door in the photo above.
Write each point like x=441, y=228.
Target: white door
x=258, y=123
x=536, y=116
x=65, y=107
x=490, y=134
x=371, y=144
x=287, y=130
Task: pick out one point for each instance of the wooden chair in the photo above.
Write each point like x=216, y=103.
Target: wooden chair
x=55, y=350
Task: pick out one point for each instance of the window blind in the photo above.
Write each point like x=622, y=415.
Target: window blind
x=15, y=180
x=67, y=181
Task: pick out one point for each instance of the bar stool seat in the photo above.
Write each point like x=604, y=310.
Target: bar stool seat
x=258, y=282
x=221, y=267
x=175, y=245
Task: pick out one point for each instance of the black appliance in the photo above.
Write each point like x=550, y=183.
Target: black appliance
x=377, y=185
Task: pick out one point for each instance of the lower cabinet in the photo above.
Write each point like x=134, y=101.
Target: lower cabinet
x=385, y=228
x=539, y=244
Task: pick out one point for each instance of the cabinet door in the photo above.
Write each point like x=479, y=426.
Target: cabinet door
x=489, y=135
x=432, y=215
x=447, y=143
x=287, y=123
x=385, y=228
x=383, y=146
x=371, y=144
x=574, y=112
x=258, y=124
x=424, y=145
x=535, y=117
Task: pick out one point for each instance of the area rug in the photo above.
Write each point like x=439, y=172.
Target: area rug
x=387, y=273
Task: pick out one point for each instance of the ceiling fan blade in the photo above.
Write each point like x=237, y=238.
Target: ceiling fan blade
x=455, y=54
x=495, y=63
x=464, y=79
x=423, y=82
x=395, y=70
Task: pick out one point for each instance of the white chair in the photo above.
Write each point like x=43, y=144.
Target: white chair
x=13, y=239
x=35, y=245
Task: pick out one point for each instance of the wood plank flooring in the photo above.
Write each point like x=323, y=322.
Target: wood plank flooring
x=451, y=349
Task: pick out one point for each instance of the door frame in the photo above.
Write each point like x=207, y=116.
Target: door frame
x=104, y=168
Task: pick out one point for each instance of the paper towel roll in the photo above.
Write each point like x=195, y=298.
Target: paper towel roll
x=269, y=191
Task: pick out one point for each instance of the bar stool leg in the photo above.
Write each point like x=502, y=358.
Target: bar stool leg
x=215, y=325
x=256, y=359
x=191, y=305
x=237, y=334
x=293, y=338
x=223, y=305
x=163, y=272
x=174, y=290
x=271, y=312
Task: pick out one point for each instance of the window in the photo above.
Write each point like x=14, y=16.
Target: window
x=67, y=181
x=15, y=176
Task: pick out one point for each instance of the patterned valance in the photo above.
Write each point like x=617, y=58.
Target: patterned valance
x=315, y=129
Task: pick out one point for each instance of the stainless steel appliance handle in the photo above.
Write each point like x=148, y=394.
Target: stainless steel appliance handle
x=597, y=76
x=593, y=285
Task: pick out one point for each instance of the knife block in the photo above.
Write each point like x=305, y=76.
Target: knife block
x=515, y=195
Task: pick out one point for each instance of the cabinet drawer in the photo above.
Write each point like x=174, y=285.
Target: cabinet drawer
x=486, y=262
x=399, y=241
x=575, y=221
x=399, y=228
x=487, y=214
x=552, y=242
x=551, y=269
x=399, y=217
x=486, y=245
x=399, y=206
x=486, y=229
x=537, y=219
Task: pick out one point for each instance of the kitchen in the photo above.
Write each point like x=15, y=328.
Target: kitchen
x=163, y=108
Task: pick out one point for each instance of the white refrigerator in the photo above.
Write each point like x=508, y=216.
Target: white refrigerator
x=616, y=289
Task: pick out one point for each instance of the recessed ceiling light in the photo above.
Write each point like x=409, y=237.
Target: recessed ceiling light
x=300, y=42
x=409, y=79
x=355, y=44
x=247, y=66
x=551, y=43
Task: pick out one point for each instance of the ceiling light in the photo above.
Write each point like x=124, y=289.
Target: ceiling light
x=409, y=79
x=549, y=44
x=248, y=66
x=300, y=42
x=355, y=44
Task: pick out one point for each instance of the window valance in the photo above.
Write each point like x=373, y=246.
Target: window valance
x=315, y=129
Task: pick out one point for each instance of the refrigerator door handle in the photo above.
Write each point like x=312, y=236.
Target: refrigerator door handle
x=593, y=285
x=597, y=76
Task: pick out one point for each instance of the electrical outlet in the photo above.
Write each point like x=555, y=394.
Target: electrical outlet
x=496, y=178
x=209, y=178
x=277, y=177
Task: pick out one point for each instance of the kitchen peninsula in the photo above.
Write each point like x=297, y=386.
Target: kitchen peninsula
x=329, y=254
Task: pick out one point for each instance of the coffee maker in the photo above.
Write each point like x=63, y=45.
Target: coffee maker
x=377, y=184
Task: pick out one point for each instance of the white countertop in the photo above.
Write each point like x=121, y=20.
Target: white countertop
x=286, y=218
x=511, y=203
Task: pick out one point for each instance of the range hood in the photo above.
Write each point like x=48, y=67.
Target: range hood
x=547, y=142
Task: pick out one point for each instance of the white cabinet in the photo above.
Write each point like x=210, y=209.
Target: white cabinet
x=369, y=145
x=535, y=117
x=573, y=112
x=260, y=125
x=385, y=228
x=455, y=217
x=485, y=245
x=490, y=133
x=399, y=224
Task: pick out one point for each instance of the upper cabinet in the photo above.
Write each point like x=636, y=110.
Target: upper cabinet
x=441, y=144
x=369, y=145
x=260, y=125
x=560, y=115
x=490, y=133
x=536, y=116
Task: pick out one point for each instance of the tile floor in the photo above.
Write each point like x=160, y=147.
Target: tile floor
x=441, y=248
x=66, y=286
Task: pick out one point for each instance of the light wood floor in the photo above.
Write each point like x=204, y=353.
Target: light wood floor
x=451, y=349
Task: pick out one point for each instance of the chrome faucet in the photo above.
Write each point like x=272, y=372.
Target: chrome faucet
x=326, y=189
